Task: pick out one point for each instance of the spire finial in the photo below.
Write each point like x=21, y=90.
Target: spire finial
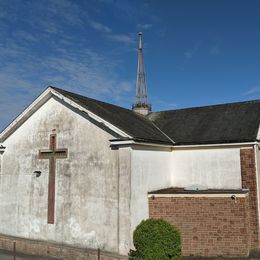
x=140, y=40
x=141, y=103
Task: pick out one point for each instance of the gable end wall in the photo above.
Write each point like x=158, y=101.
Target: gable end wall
x=86, y=213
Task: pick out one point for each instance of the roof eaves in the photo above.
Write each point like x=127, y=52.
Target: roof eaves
x=209, y=106
x=151, y=141
x=216, y=142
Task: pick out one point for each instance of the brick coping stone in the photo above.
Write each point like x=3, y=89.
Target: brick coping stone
x=44, y=250
x=23, y=256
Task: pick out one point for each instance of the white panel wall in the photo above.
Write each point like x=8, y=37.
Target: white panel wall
x=213, y=168
x=151, y=170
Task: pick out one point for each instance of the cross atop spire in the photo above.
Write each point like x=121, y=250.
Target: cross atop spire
x=141, y=105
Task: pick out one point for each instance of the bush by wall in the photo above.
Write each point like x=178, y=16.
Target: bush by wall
x=156, y=239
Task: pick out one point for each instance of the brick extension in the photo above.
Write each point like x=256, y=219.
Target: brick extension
x=209, y=226
x=215, y=226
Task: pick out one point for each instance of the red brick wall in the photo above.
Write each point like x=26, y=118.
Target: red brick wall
x=40, y=248
x=209, y=226
x=248, y=173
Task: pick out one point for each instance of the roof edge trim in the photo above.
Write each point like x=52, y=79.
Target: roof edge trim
x=39, y=101
x=258, y=133
x=91, y=114
x=217, y=145
x=163, y=132
x=129, y=142
x=133, y=141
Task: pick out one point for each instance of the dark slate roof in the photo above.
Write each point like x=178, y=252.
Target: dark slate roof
x=177, y=190
x=226, y=123
x=137, y=126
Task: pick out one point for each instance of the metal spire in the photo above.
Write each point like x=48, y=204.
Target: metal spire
x=141, y=103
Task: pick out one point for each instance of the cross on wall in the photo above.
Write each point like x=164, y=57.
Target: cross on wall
x=52, y=154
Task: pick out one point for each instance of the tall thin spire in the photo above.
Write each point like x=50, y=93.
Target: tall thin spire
x=141, y=102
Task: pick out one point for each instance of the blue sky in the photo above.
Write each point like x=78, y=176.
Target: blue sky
x=196, y=52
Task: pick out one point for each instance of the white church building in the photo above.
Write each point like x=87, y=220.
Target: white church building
x=78, y=174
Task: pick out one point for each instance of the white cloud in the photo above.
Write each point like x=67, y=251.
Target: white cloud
x=58, y=59
x=124, y=38
x=188, y=54
x=25, y=36
x=24, y=75
x=253, y=91
x=214, y=50
x=162, y=105
x=99, y=27
x=65, y=10
x=145, y=26
x=125, y=86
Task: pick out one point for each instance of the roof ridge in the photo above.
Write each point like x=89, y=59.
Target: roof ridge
x=208, y=106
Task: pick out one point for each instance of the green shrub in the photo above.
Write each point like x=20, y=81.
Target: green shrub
x=135, y=255
x=156, y=239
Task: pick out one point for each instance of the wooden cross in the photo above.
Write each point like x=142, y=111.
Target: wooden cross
x=52, y=154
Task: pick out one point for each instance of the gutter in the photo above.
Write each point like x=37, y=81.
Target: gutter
x=231, y=195
x=246, y=144
x=128, y=142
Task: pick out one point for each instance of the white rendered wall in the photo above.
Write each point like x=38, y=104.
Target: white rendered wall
x=87, y=192
x=213, y=168
x=151, y=170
